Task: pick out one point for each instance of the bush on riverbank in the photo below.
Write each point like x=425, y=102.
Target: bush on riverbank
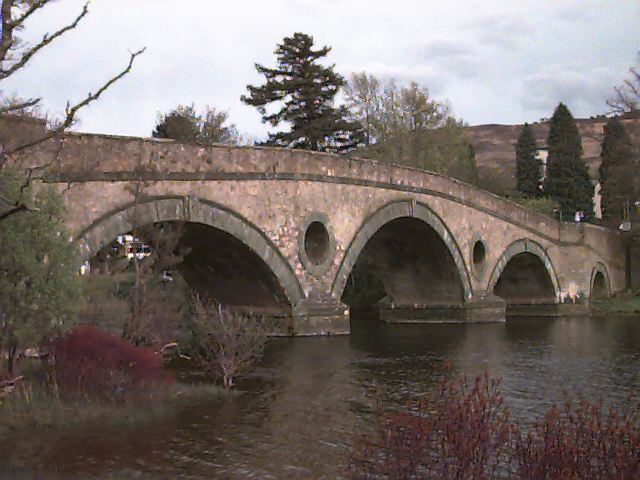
x=93, y=364
x=465, y=432
x=96, y=379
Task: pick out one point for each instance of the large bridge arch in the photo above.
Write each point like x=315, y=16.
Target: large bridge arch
x=192, y=210
x=518, y=248
x=385, y=215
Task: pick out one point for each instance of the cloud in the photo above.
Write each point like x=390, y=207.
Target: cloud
x=584, y=91
x=504, y=31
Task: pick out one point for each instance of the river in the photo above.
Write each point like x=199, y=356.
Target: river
x=296, y=417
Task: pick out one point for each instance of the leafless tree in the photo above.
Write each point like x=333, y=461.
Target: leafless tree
x=228, y=342
x=627, y=96
x=15, y=55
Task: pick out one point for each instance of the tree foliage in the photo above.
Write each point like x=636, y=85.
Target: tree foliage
x=618, y=170
x=39, y=286
x=403, y=125
x=567, y=180
x=185, y=125
x=528, y=166
x=304, y=90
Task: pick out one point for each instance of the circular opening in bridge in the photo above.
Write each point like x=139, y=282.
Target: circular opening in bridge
x=316, y=242
x=479, y=254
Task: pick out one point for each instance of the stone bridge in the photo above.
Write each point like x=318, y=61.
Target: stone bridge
x=309, y=236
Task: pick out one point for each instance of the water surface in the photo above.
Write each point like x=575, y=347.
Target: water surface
x=312, y=396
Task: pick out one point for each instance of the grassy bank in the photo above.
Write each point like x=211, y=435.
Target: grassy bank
x=627, y=303
x=33, y=408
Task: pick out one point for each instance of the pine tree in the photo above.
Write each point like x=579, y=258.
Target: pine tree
x=307, y=90
x=185, y=125
x=528, y=166
x=181, y=124
x=567, y=180
x=617, y=170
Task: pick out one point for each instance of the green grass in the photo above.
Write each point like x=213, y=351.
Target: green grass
x=36, y=408
x=624, y=304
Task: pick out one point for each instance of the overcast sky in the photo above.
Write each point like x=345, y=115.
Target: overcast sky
x=495, y=61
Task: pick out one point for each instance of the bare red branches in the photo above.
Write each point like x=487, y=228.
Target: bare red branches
x=465, y=432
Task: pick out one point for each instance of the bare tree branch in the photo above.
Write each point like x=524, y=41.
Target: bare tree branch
x=71, y=111
x=627, y=96
x=10, y=46
x=35, y=6
x=46, y=40
x=19, y=106
x=14, y=210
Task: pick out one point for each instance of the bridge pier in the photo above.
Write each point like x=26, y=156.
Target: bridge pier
x=321, y=315
x=486, y=308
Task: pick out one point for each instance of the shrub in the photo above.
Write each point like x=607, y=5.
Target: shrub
x=92, y=363
x=461, y=432
x=228, y=342
x=545, y=205
x=465, y=432
x=581, y=440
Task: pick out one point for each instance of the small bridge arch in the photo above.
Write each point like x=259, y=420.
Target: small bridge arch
x=600, y=282
x=532, y=254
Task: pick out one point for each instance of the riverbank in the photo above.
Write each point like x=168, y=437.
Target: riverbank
x=626, y=303
x=35, y=409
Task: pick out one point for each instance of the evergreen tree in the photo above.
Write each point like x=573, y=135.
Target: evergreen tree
x=617, y=170
x=185, y=125
x=528, y=166
x=39, y=285
x=181, y=124
x=567, y=180
x=306, y=90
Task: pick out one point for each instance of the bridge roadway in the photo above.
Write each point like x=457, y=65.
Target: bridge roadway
x=306, y=236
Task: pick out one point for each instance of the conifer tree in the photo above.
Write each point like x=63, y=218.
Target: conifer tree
x=185, y=125
x=567, y=180
x=306, y=90
x=617, y=170
x=528, y=166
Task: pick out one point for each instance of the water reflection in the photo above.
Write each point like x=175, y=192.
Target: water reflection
x=311, y=396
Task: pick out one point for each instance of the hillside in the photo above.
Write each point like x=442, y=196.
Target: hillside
x=495, y=144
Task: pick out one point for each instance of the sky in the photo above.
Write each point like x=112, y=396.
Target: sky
x=494, y=61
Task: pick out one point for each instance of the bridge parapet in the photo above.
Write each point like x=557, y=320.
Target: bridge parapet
x=90, y=157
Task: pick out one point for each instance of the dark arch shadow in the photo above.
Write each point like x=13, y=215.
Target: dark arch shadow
x=600, y=283
x=199, y=212
x=524, y=274
x=414, y=229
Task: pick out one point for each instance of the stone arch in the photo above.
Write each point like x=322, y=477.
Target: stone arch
x=599, y=274
x=386, y=214
x=525, y=245
x=193, y=210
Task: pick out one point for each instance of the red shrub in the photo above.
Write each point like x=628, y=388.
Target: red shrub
x=459, y=433
x=89, y=362
x=581, y=440
x=464, y=432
